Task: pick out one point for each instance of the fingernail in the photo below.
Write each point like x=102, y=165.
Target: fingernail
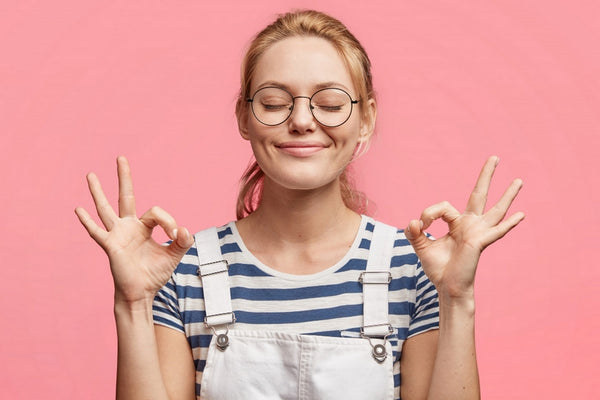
x=175, y=234
x=421, y=222
x=497, y=160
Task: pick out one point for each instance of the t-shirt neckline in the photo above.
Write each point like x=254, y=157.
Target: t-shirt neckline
x=297, y=277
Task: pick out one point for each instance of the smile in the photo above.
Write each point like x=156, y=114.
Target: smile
x=301, y=149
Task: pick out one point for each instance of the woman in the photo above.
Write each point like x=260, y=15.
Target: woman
x=302, y=296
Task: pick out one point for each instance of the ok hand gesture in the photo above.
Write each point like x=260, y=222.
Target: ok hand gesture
x=450, y=261
x=140, y=266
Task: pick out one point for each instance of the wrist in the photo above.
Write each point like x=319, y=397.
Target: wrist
x=126, y=306
x=451, y=303
x=130, y=318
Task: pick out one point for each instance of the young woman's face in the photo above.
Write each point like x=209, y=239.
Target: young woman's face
x=301, y=153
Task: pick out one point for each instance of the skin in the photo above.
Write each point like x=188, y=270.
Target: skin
x=302, y=218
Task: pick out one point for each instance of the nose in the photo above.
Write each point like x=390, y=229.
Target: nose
x=302, y=120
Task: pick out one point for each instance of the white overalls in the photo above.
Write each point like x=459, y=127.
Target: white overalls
x=264, y=365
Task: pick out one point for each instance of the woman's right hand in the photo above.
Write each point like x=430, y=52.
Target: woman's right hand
x=140, y=266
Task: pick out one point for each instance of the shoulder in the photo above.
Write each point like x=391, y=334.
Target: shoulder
x=402, y=252
x=207, y=243
x=371, y=225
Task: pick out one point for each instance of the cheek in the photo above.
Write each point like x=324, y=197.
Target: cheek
x=254, y=131
x=261, y=140
x=351, y=133
x=259, y=135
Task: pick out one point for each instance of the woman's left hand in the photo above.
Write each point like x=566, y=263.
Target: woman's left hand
x=450, y=261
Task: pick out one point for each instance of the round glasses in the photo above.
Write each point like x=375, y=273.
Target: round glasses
x=272, y=106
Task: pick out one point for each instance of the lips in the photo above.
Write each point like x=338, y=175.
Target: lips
x=301, y=149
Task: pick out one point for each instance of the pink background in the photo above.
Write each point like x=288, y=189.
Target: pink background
x=82, y=82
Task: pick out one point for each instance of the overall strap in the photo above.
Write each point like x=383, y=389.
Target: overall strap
x=376, y=280
x=213, y=270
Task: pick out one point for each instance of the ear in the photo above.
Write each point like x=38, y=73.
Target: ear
x=367, y=124
x=242, y=120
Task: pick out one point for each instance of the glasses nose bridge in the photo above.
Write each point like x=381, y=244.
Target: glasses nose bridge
x=310, y=107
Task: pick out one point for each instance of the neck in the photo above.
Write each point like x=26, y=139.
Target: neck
x=300, y=215
x=300, y=231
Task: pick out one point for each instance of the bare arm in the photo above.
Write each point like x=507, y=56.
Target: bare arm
x=176, y=363
x=138, y=365
x=140, y=267
x=450, y=263
x=441, y=363
x=416, y=365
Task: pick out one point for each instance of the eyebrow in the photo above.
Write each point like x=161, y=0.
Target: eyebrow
x=319, y=86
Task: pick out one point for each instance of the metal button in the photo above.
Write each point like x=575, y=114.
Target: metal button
x=222, y=341
x=379, y=353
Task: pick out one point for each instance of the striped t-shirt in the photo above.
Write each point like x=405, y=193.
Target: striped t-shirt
x=327, y=303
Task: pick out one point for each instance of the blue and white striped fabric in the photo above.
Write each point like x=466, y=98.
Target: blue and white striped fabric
x=326, y=303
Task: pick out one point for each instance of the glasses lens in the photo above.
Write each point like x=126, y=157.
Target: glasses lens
x=272, y=106
x=331, y=107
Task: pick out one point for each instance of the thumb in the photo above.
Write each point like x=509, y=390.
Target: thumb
x=182, y=241
x=416, y=236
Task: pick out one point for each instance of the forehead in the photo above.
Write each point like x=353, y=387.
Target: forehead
x=302, y=64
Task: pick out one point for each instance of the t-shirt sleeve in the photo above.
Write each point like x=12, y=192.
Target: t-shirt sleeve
x=165, y=308
x=426, y=313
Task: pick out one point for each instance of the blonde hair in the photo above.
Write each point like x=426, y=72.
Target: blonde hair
x=303, y=23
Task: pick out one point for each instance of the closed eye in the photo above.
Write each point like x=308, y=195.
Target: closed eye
x=330, y=108
x=275, y=107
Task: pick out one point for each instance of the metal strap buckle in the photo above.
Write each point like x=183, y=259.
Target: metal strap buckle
x=222, y=340
x=375, y=277
x=218, y=315
x=389, y=326
x=226, y=269
x=379, y=352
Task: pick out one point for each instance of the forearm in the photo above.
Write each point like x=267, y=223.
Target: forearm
x=455, y=374
x=138, y=367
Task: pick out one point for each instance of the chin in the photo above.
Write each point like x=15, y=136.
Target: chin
x=305, y=182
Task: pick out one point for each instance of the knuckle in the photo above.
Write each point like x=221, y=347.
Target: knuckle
x=155, y=210
x=477, y=192
x=498, y=207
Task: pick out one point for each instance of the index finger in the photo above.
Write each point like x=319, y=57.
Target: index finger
x=478, y=198
x=126, y=197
